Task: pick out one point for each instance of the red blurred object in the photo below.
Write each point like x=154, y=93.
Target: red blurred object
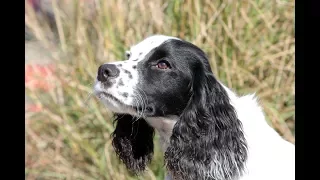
x=35, y=4
x=37, y=77
x=33, y=108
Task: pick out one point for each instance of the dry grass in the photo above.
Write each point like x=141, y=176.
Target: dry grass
x=251, y=47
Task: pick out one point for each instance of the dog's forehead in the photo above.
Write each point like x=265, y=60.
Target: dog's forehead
x=141, y=49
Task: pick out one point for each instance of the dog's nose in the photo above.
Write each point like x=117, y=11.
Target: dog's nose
x=107, y=71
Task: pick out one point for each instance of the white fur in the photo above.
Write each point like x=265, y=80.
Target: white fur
x=270, y=157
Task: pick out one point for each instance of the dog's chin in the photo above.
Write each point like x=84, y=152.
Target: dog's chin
x=114, y=104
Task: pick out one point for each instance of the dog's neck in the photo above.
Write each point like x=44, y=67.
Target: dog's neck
x=164, y=126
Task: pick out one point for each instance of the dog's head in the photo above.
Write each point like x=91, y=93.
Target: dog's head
x=165, y=76
x=154, y=80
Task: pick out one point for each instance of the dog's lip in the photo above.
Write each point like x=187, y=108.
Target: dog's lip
x=110, y=96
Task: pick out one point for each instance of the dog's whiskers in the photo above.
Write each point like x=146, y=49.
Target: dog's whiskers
x=90, y=94
x=85, y=103
x=145, y=99
x=142, y=100
x=136, y=120
x=139, y=103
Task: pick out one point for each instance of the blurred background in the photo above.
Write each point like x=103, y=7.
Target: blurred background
x=250, y=44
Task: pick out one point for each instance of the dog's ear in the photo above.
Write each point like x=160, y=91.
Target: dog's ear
x=133, y=142
x=207, y=141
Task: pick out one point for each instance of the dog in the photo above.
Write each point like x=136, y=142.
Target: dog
x=207, y=132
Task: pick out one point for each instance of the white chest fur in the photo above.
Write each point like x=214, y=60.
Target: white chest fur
x=164, y=126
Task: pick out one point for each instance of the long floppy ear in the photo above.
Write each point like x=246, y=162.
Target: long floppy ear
x=133, y=142
x=207, y=141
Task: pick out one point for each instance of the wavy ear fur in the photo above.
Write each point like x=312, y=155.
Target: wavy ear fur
x=207, y=141
x=133, y=142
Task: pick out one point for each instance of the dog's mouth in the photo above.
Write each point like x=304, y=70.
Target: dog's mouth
x=140, y=110
x=104, y=95
x=148, y=111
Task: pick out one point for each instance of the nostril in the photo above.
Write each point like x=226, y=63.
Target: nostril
x=111, y=72
x=107, y=71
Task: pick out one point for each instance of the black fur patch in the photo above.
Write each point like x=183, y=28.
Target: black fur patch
x=133, y=142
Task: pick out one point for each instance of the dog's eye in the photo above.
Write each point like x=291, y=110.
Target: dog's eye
x=163, y=64
x=128, y=54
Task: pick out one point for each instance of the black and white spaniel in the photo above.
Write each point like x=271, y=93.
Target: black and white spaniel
x=207, y=132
